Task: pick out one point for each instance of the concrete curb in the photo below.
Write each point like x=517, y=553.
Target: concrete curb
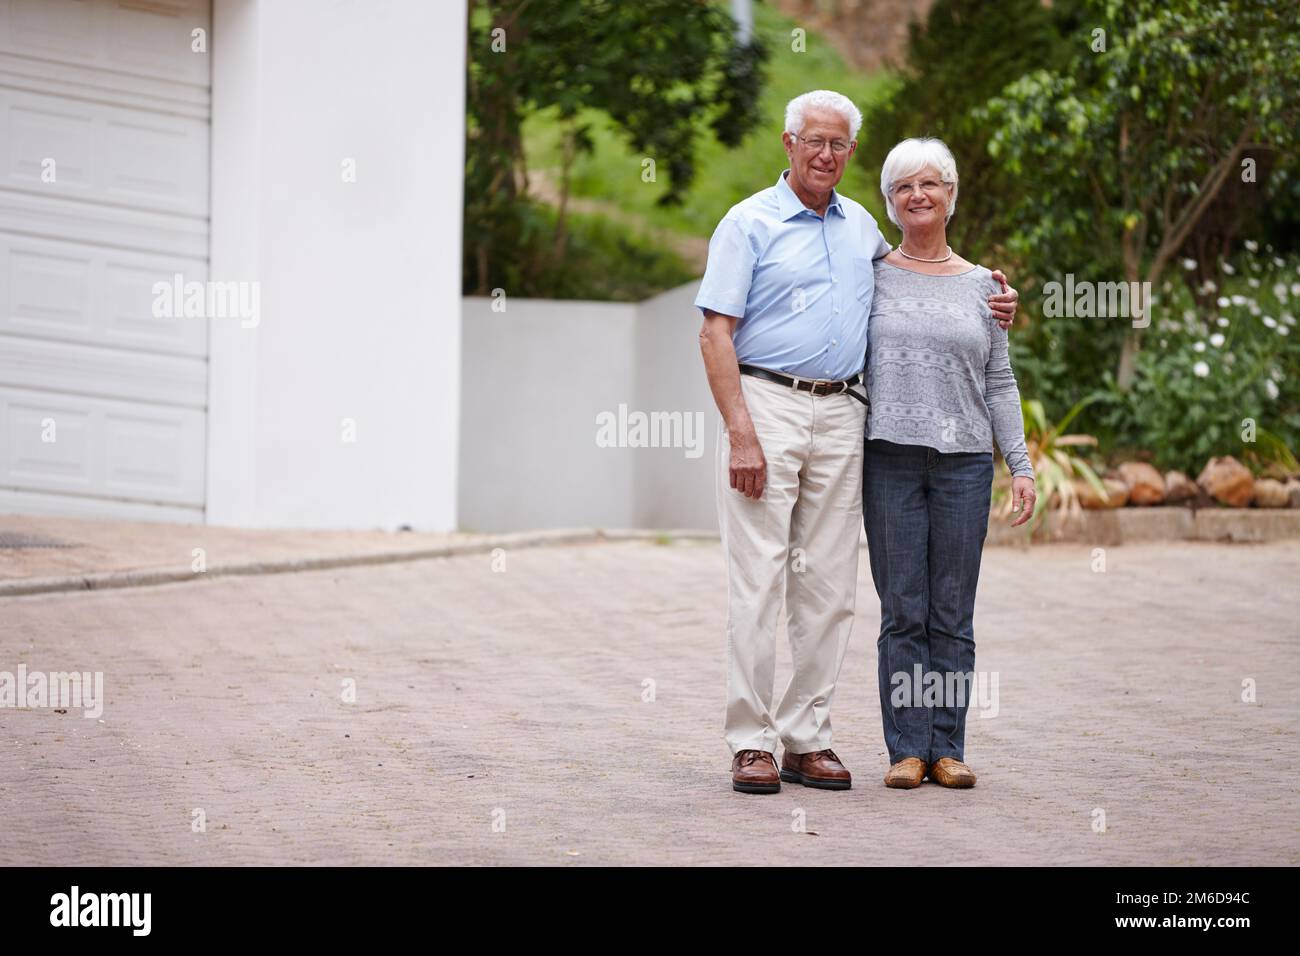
x=645, y=534
x=153, y=576
x=1106, y=528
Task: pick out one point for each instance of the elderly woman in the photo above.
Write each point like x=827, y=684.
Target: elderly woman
x=941, y=391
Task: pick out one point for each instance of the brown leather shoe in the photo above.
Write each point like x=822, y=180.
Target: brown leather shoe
x=949, y=772
x=820, y=769
x=906, y=774
x=754, y=771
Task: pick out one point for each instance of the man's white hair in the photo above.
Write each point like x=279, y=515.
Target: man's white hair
x=910, y=157
x=822, y=100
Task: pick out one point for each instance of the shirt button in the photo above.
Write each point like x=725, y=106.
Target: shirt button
x=833, y=342
x=834, y=279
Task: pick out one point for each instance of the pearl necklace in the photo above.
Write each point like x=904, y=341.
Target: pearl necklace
x=919, y=259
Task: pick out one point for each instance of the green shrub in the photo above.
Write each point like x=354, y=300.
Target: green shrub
x=1205, y=375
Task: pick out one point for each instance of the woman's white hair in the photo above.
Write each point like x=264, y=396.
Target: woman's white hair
x=822, y=100
x=910, y=157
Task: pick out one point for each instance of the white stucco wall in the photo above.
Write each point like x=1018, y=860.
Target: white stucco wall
x=673, y=490
x=359, y=281
x=535, y=379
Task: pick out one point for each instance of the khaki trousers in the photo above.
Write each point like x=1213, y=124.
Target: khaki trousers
x=797, y=544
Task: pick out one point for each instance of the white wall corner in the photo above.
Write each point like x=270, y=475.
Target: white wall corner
x=338, y=163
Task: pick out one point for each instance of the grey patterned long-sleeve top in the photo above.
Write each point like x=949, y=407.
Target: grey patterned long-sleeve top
x=938, y=370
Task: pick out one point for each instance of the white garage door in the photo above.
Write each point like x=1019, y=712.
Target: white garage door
x=104, y=128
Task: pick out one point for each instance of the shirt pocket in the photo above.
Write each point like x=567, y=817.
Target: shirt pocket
x=864, y=279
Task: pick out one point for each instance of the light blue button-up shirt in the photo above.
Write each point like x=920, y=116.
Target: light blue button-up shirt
x=799, y=283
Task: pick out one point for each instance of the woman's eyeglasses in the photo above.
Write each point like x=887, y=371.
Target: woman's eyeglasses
x=928, y=186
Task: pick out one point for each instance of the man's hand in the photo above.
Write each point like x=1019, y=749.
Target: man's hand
x=1004, y=303
x=748, y=466
x=1022, y=498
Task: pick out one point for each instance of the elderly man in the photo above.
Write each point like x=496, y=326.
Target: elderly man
x=785, y=297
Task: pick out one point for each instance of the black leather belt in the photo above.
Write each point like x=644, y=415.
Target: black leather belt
x=813, y=385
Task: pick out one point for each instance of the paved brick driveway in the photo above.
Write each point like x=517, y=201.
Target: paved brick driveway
x=515, y=698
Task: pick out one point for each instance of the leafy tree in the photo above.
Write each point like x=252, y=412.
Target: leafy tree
x=957, y=59
x=1142, y=129
x=660, y=69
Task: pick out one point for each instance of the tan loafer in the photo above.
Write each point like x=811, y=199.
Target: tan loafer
x=948, y=772
x=754, y=771
x=906, y=774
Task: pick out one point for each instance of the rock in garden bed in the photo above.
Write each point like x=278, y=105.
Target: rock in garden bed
x=1145, y=486
x=1227, y=481
x=1116, y=491
x=1271, y=493
x=1179, y=488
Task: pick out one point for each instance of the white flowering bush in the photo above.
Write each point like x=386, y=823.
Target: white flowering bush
x=1208, y=370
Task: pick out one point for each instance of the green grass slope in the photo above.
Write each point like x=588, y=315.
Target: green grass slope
x=611, y=175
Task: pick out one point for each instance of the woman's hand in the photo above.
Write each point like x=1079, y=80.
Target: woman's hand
x=1023, y=498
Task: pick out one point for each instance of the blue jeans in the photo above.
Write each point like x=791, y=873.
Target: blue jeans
x=926, y=514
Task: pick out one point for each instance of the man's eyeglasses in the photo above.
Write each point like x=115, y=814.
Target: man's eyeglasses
x=838, y=146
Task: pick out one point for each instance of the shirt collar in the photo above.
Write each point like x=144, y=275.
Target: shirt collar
x=791, y=205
